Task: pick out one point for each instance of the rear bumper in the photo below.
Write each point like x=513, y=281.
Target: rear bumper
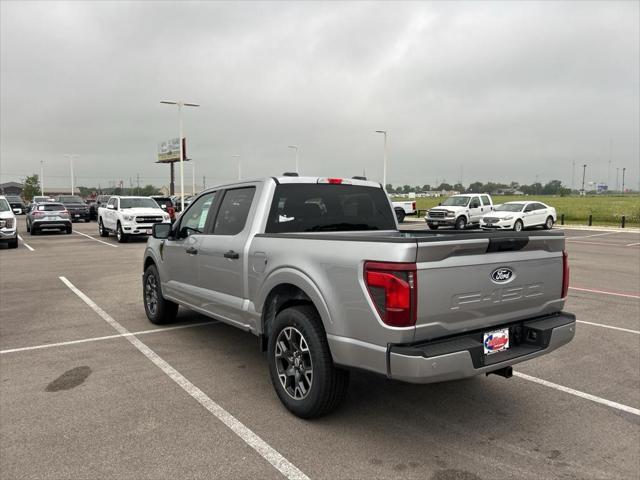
x=462, y=356
x=501, y=225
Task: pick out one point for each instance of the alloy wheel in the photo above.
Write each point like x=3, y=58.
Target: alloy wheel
x=151, y=294
x=293, y=363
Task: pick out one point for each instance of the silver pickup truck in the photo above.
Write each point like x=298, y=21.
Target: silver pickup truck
x=318, y=270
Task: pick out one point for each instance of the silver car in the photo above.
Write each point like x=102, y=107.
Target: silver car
x=48, y=215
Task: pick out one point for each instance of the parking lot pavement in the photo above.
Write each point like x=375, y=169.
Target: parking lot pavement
x=102, y=409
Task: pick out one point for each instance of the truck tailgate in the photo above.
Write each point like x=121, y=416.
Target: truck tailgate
x=466, y=285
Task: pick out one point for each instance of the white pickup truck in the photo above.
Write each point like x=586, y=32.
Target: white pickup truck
x=460, y=211
x=402, y=209
x=127, y=216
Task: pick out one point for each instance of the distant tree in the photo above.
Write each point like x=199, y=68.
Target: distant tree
x=406, y=189
x=458, y=187
x=476, y=187
x=148, y=190
x=444, y=186
x=389, y=188
x=31, y=187
x=426, y=187
x=552, y=188
x=514, y=185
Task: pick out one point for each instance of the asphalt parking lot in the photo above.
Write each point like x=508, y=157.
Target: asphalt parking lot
x=91, y=389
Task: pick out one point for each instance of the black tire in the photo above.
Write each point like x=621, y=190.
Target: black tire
x=548, y=224
x=33, y=231
x=328, y=385
x=159, y=310
x=28, y=227
x=433, y=227
x=518, y=226
x=122, y=237
x=13, y=243
x=461, y=223
x=101, y=230
x=68, y=230
x=400, y=215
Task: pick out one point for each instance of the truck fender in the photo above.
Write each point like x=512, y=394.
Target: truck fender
x=297, y=278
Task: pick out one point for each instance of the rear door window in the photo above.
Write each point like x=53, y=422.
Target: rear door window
x=485, y=200
x=234, y=210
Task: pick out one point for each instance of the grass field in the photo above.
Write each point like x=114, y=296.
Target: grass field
x=606, y=210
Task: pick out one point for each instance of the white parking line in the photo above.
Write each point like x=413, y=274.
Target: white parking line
x=25, y=244
x=604, y=292
x=267, y=452
x=594, y=235
x=95, y=239
x=108, y=337
x=632, y=244
x=578, y=393
x=637, y=332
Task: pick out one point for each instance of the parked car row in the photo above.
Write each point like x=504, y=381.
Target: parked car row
x=461, y=211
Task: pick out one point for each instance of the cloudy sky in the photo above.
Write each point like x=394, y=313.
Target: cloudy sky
x=490, y=91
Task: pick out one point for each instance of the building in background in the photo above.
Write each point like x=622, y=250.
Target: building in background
x=11, y=188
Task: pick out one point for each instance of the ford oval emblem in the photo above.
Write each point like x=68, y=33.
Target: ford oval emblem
x=502, y=275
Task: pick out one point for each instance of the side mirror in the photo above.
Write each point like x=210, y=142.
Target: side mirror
x=161, y=230
x=111, y=206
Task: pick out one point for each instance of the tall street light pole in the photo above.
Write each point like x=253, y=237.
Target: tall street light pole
x=181, y=104
x=42, y=177
x=624, y=169
x=296, y=149
x=384, y=165
x=70, y=157
x=239, y=166
x=584, y=171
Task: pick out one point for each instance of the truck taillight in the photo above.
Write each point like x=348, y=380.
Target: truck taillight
x=393, y=290
x=565, y=274
x=413, y=206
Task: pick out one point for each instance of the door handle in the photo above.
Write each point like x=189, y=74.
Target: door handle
x=231, y=254
x=192, y=251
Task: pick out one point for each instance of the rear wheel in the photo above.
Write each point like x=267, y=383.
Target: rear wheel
x=548, y=225
x=300, y=364
x=461, y=223
x=28, y=227
x=33, y=230
x=433, y=227
x=13, y=243
x=68, y=230
x=122, y=237
x=158, y=310
x=518, y=226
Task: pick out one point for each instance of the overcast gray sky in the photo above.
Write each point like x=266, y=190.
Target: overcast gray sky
x=505, y=90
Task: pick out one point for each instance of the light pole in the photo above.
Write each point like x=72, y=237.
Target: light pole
x=384, y=165
x=584, y=171
x=617, y=179
x=239, y=166
x=181, y=104
x=193, y=178
x=296, y=149
x=70, y=157
x=624, y=169
x=42, y=177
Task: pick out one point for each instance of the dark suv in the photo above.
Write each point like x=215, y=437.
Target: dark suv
x=17, y=204
x=78, y=209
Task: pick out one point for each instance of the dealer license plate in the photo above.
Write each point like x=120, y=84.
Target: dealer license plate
x=496, y=341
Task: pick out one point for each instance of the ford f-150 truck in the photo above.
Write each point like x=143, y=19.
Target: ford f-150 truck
x=128, y=216
x=318, y=270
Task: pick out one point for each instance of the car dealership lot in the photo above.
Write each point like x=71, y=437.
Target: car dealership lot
x=97, y=405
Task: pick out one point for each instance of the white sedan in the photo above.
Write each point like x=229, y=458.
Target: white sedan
x=519, y=215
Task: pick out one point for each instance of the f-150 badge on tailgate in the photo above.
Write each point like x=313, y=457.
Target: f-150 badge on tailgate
x=502, y=275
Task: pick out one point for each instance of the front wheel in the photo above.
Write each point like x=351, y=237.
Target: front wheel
x=101, y=230
x=120, y=235
x=548, y=225
x=518, y=226
x=159, y=310
x=13, y=243
x=432, y=227
x=461, y=223
x=300, y=364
